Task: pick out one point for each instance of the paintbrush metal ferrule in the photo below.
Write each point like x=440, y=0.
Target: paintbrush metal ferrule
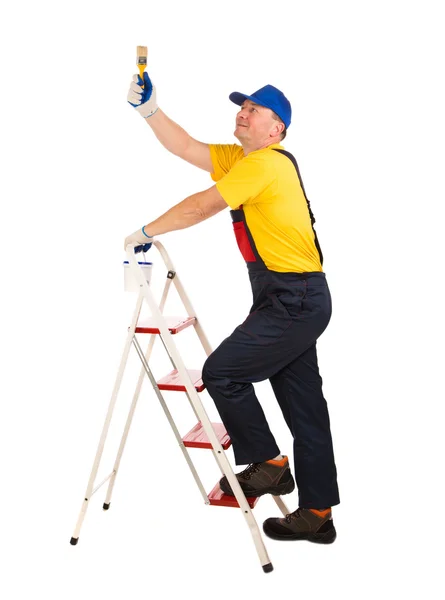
x=142, y=53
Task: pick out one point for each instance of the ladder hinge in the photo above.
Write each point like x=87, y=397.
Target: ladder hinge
x=171, y=274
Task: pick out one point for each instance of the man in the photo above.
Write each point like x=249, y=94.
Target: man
x=273, y=225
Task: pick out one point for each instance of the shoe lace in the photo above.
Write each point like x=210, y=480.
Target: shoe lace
x=294, y=515
x=250, y=470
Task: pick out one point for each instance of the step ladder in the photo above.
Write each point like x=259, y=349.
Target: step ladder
x=204, y=434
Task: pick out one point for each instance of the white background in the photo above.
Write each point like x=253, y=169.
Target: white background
x=80, y=171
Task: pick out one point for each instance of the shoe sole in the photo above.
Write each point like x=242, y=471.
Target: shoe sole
x=317, y=538
x=279, y=490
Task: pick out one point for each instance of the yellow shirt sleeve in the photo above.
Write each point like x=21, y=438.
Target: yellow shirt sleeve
x=224, y=156
x=251, y=180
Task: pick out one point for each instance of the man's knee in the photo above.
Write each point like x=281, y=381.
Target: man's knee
x=215, y=374
x=209, y=371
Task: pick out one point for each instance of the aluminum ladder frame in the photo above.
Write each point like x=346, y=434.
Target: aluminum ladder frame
x=146, y=294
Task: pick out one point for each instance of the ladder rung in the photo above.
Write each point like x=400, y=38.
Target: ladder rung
x=172, y=381
x=218, y=498
x=197, y=437
x=174, y=324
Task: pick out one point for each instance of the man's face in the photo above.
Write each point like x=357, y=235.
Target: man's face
x=254, y=123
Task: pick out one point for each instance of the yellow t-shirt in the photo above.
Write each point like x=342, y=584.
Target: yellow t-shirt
x=267, y=186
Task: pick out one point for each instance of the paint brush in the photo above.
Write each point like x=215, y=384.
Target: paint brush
x=141, y=61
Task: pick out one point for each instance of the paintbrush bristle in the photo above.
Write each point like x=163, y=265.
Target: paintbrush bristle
x=141, y=55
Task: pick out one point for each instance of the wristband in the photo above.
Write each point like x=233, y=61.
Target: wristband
x=146, y=235
x=150, y=115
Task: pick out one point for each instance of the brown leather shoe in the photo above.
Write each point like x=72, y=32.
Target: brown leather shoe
x=271, y=477
x=303, y=524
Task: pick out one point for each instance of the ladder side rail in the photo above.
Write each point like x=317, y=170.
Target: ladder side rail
x=189, y=308
x=126, y=429
x=108, y=417
x=199, y=408
x=136, y=394
x=227, y=470
x=218, y=450
x=184, y=297
x=281, y=505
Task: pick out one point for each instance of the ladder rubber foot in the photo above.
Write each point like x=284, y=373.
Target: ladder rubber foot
x=106, y=505
x=268, y=568
x=74, y=541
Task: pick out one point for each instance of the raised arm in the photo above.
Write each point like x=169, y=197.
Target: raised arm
x=171, y=135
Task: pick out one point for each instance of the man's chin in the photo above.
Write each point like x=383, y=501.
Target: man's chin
x=239, y=134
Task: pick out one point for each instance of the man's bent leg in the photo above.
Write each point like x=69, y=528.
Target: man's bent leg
x=228, y=375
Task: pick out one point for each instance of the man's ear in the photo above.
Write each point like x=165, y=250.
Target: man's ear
x=277, y=129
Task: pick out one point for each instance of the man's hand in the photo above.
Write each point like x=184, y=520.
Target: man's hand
x=143, y=98
x=143, y=242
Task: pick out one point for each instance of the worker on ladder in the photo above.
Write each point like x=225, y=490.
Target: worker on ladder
x=273, y=224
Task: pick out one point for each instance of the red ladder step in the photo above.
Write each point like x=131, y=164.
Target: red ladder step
x=218, y=498
x=174, y=324
x=197, y=437
x=173, y=383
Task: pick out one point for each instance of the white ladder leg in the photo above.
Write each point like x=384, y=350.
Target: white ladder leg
x=89, y=491
x=218, y=452
x=245, y=509
x=281, y=505
x=120, y=451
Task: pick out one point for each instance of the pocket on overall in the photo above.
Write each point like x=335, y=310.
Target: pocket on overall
x=266, y=325
x=243, y=241
x=291, y=300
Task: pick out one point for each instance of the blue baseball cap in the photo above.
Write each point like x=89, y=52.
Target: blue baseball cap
x=270, y=97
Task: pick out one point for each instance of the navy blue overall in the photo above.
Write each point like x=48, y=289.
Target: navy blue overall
x=277, y=341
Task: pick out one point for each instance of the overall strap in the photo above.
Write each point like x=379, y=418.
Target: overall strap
x=294, y=162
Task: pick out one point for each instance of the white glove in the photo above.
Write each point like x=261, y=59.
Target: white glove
x=143, y=99
x=141, y=239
